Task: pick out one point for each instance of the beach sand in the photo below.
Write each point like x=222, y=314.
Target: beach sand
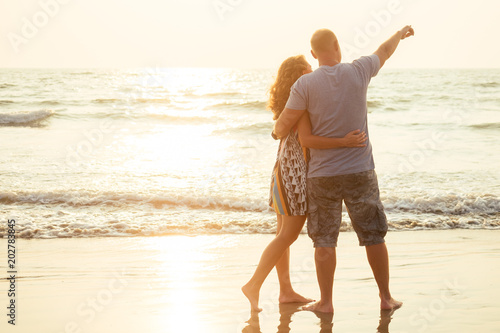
x=448, y=281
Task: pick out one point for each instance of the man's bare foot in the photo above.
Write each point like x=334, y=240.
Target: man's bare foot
x=319, y=307
x=293, y=297
x=253, y=297
x=390, y=304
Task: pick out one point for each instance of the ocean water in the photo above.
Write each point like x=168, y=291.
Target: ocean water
x=86, y=153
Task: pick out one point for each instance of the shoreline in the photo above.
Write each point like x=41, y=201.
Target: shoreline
x=343, y=229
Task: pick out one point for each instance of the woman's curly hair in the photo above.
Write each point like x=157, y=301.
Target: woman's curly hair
x=289, y=72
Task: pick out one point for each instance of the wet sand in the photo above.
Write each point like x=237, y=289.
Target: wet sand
x=448, y=281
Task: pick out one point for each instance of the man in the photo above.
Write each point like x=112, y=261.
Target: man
x=335, y=97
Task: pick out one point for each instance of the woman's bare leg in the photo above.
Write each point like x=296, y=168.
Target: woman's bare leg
x=287, y=294
x=290, y=230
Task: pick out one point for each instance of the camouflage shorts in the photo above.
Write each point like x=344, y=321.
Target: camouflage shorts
x=361, y=196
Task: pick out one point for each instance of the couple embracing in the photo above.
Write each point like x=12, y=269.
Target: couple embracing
x=324, y=158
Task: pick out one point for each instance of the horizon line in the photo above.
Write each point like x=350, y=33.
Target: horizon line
x=232, y=68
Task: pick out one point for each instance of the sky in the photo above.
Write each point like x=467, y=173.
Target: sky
x=242, y=33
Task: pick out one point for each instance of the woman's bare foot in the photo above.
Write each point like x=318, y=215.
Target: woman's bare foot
x=319, y=307
x=390, y=304
x=253, y=297
x=293, y=297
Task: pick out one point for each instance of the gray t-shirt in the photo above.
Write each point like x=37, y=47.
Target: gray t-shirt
x=335, y=97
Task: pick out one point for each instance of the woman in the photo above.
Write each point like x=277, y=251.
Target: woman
x=288, y=185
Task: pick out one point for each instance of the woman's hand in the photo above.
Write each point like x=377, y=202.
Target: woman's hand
x=355, y=138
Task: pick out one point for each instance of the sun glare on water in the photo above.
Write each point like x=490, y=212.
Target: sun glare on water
x=178, y=141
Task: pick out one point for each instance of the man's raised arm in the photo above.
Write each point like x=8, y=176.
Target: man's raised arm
x=386, y=50
x=285, y=122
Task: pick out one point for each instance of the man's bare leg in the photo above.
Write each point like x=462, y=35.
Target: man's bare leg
x=292, y=225
x=378, y=258
x=287, y=294
x=326, y=260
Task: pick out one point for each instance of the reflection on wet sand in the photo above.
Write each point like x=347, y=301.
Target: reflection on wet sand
x=286, y=312
x=253, y=324
x=325, y=323
x=385, y=320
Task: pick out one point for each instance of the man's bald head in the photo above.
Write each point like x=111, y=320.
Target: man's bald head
x=324, y=41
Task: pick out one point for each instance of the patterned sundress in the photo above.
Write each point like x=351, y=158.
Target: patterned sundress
x=288, y=183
